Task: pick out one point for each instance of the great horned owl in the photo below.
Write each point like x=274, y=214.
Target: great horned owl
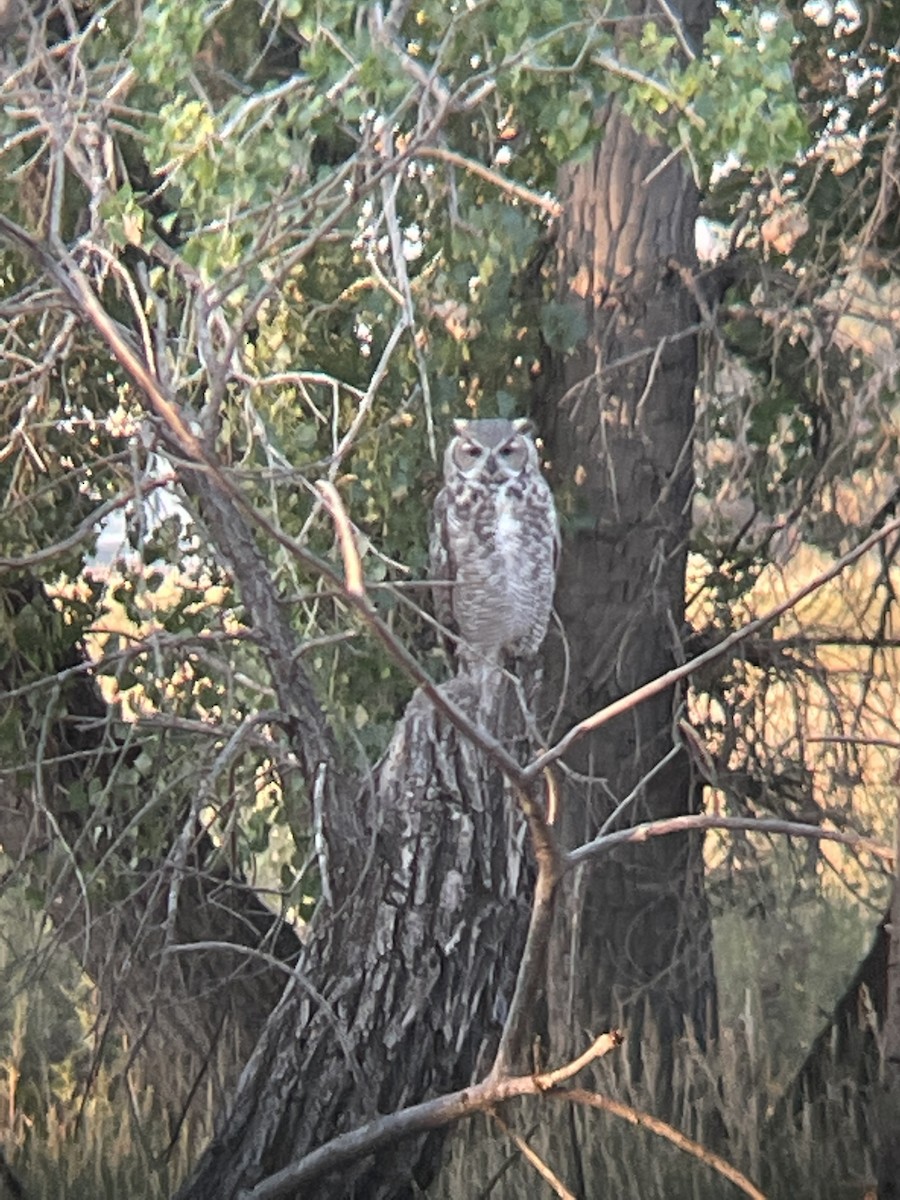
x=494, y=542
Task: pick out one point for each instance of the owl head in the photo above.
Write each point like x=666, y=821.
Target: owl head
x=494, y=449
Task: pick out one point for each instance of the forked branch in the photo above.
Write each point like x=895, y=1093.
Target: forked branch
x=419, y=1118
x=341, y=1151
x=663, y=682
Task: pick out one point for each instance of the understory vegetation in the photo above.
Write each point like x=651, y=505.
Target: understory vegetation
x=254, y=260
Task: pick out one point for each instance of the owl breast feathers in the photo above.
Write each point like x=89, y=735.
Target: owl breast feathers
x=494, y=542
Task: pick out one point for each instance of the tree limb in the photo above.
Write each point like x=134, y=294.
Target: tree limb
x=700, y=821
x=417, y=1118
x=663, y=682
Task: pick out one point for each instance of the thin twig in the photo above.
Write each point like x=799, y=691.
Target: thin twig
x=532, y=963
x=353, y=575
x=636, y=1117
x=546, y=204
x=614, y=67
x=695, y=822
x=678, y=29
x=663, y=682
x=598, y=1048
x=530, y=1155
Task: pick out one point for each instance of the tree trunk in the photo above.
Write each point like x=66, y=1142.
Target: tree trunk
x=619, y=420
x=402, y=992
x=888, y=1165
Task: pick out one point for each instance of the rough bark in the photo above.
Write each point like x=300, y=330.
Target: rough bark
x=888, y=1162
x=402, y=992
x=618, y=421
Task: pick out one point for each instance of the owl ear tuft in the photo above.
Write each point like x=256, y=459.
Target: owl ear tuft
x=460, y=424
x=523, y=425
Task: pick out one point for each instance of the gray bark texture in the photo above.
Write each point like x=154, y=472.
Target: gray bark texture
x=888, y=1108
x=402, y=991
x=619, y=418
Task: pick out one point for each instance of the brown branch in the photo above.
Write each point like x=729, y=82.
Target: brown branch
x=645, y=1121
x=529, y=978
x=663, y=682
x=418, y=1118
x=692, y=822
x=531, y=1156
x=546, y=204
x=353, y=574
x=851, y=739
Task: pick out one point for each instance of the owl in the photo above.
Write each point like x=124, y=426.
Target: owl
x=494, y=543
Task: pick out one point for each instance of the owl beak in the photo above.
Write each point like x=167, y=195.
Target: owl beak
x=491, y=466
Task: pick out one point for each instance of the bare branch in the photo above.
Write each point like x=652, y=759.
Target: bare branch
x=692, y=822
x=663, y=682
x=353, y=575
x=531, y=966
x=430, y=1114
x=532, y=1156
x=636, y=1117
x=546, y=204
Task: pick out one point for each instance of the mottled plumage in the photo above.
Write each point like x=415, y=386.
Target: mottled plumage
x=495, y=541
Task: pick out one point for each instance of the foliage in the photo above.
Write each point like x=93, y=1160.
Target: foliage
x=61, y=1088
x=257, y=196
x=330, y=229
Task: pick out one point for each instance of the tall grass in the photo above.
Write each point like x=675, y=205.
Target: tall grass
x=720, y=1102
x=73, y=1129
x=73, y=1126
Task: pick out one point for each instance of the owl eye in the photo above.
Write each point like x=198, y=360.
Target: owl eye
x=506, y=451
x=470, y=451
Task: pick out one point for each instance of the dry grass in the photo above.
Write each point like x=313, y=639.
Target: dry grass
x=719, y=1101
x=110, y=1151
x=114, y=1145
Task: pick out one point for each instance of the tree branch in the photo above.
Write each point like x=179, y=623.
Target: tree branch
x=636, y=1117
x=663, y=682
x=531, y=1156
x=546, y=204
x=692, y=822
x=419, y=1118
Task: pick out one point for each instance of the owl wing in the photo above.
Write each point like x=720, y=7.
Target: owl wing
x=442, y=565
